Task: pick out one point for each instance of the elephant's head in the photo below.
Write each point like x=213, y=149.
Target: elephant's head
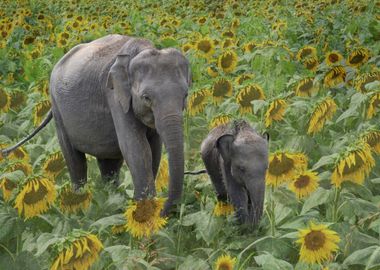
x=154, y=84
x=246, y=155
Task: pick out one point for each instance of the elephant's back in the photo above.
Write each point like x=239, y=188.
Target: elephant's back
x=77, y=91
x=209, y=143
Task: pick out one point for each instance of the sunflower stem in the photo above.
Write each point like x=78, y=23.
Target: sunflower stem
x=8, y=251
x=336, y=206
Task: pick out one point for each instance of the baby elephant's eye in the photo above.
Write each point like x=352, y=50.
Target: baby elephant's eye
x=241, y=169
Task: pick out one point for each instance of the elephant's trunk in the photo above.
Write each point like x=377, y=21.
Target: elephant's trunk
x=256, y=192
x=170, y=129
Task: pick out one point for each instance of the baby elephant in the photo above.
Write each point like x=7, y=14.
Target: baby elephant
x=236, y=158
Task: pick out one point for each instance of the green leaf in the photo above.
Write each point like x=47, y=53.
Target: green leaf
x=194, y=264
x=44, y=241
x=320, y=196
x=105, y=222
x=325, y=160
x=268, y=262
x=369, y=257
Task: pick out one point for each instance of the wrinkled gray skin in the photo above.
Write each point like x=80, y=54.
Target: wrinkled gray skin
x=117, y=98
x=236, y=158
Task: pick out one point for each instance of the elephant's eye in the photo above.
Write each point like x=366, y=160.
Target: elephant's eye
x=146, y=99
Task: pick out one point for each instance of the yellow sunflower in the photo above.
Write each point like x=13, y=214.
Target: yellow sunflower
x=335, y=76
x=228, y=43
x=317, y=243
x=306, y=88
x=243, y=78
x=212, y=71
x=19, y=154
x=5, y=100
x=276, y=111
x=40, y=110
x=250, y=46
x=36, y=197
x=358, y=57
x=26, y=168
x=333, y=58
x=205, y=46
x=324, y=111
x=223, y=209
x=362, y=80
x=186, y=47
x=7, y=186
x=220, y=120
x=78, y=253
x=311, y=63
x=374, y=104
x=284, y=166
x=228, y=61
x=306, y=52
x=197, y=101
x=162, y=178
x=304, y=184
x=143, y=217
x=118, y=229
x=225, y=262
x=221, y=88
x=354, y=165
x=54, y=164
x=18, y=100
x=372, y=138
x=246, y=95
x=71, y=202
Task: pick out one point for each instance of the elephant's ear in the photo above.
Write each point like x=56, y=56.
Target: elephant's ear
x=266, y=136
x=118, y=81
x=224, y=146
x=118, y=77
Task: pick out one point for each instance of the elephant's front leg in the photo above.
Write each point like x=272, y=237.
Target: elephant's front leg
x=135, y=148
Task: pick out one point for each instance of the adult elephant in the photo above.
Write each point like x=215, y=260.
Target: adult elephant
x=117, y=98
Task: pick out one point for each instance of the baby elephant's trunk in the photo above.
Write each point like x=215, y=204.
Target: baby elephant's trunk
x=256, y=192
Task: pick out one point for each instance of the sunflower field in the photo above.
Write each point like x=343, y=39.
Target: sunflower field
x=306, y=72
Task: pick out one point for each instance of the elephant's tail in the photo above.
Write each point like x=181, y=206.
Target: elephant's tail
x=196, y=172
x=5, y=152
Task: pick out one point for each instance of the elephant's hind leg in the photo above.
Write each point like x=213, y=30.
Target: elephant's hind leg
x=110, y=169
x=75, y=160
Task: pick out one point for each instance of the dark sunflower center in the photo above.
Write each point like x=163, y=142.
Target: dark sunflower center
x=55, y=165
x=305, y=52
x=306, y=86
x=358, y=165
x=9, y=185
x=3, y=99
x=72, y=198
x=33, y=196
x=333, y=57
x=302, y=181
x=358, y=58
x=204, y=46
x=198, y=99
x=315, y=240
x=221, y=88
x=279, y=167
x=227, y=60
x=144, y=211
x=17, y=99
x=311, y=64
x=225, y=266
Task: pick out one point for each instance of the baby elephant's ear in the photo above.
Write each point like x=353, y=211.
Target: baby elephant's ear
x=266, y=136
x=224, y=146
